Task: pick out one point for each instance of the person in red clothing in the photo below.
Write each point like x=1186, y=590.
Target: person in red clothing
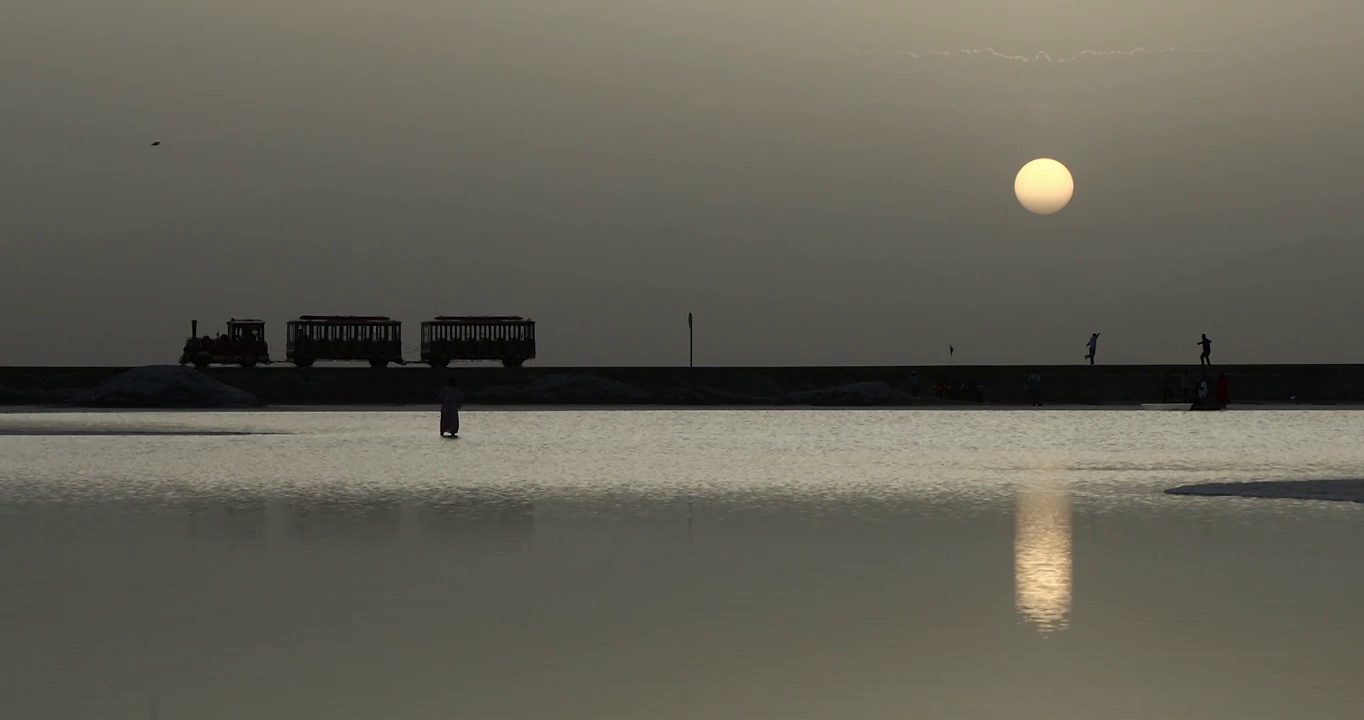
x=1223, y=391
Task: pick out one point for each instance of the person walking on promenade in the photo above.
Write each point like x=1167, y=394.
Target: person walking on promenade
x=1035, y=389
x=1205, y=358
x=1093, y=346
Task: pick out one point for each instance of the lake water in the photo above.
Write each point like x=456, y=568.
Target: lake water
x=677, y=564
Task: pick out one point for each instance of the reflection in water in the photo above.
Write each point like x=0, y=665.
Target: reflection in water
x=815, y=583
x=1042, y=556
x=366, y=520
x=241, y=522
x=478, y=515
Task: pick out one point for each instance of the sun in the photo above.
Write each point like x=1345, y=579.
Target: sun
x=1044, y=186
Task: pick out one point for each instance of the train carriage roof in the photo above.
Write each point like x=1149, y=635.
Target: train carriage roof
x=479, y=319
x=345, y=319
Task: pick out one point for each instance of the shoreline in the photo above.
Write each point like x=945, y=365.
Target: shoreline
x=586, y=407
x=92, y=432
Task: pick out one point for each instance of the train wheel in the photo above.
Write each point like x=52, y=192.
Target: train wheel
x=439, y=362
x=378, y=362
x=202, y=361
x=303, y=362
x=512, y=362
x=248, y=361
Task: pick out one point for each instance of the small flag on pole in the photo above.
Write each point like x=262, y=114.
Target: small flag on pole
x=951, y=350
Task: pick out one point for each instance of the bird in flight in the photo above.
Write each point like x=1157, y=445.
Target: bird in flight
x=158, y=142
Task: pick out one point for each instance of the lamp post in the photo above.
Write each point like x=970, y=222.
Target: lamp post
x=691, y=343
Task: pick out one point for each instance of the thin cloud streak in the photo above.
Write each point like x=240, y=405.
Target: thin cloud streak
x=1041, y=57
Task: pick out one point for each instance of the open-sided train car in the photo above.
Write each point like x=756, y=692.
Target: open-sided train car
x=374, y=338
x=509, y=339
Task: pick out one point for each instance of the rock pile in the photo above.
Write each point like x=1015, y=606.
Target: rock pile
x=163, y=386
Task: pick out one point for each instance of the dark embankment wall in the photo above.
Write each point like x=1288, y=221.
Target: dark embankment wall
x=1103, y=384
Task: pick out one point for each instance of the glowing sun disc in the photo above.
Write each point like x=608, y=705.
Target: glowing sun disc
x=1044, y=186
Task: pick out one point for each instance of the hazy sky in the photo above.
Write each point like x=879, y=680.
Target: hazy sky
x=821, y=182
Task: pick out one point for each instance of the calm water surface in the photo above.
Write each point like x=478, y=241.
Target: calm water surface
x=692, y=564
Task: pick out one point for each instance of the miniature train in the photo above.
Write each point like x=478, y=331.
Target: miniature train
x=376, y=339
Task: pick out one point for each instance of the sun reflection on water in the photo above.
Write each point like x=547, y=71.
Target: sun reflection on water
x=1042, y=556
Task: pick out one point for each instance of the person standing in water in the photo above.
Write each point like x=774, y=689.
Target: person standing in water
x=1093, y=345
x=1205, y=357
x=450, y=400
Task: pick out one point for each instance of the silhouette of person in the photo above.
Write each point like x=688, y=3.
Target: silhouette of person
x=1205, y=357
x=450, y=400
x=1093, y=345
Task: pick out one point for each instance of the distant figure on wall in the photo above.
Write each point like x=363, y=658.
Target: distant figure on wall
x=450, y=400
x=1034, y=386
x=1093, y=346
x=1205, y=357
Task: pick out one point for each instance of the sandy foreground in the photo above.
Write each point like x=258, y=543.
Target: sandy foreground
x=1337, y=490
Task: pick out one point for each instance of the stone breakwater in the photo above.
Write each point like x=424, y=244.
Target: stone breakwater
x=719, y=386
